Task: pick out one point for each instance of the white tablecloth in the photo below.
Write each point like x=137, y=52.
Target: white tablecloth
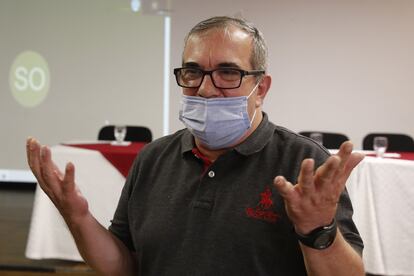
x=98, y=181
x=382, y=194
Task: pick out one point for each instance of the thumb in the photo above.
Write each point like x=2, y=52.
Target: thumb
x=284, y=187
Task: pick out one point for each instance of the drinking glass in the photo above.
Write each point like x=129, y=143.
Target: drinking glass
x=380, y=145
x=317, y=137
x=120, y=133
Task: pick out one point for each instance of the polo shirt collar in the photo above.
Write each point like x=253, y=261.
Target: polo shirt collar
x=187, y=142
x=258, y=139
x=254, y=143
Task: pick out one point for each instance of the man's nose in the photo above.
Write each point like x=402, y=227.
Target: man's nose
x=207, y=88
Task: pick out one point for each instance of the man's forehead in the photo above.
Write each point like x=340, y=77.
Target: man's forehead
x=228, y=45
x=229, y=32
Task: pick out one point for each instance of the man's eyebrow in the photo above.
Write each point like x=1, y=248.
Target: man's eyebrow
x=191, y=64
x=228, y=64
x=220, y=65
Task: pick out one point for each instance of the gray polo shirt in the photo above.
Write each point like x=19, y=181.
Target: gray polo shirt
x=227, y=220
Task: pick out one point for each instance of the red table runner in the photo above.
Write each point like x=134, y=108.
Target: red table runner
x=121, y=157
x=407, y=155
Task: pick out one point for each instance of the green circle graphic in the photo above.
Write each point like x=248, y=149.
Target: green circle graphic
x=29, y=79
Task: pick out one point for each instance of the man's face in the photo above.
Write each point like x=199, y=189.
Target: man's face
x=228, y=48
x=219, y=48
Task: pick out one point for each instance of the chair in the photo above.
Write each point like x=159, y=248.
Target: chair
x=396, y=142
x=134, y=134
x=330, y=140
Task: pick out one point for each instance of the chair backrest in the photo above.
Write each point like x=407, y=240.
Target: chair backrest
x=330, y=140
x=396, y=141
x=134, y=133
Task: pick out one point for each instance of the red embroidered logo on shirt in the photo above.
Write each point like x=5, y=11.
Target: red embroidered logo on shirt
x=262, y=211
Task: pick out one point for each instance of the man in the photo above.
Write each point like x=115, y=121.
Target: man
x=217, y=197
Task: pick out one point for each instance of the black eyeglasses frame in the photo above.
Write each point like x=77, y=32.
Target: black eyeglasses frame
x=243, y=73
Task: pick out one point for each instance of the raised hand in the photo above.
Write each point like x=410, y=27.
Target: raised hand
x=312, y=202
x=60, y=187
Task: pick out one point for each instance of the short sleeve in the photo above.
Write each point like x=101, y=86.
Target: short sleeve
x=120, y=223
x=346, y=224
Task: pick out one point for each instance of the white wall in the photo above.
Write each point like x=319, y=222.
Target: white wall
x=345, y=66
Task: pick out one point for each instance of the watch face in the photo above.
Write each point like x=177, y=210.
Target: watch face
x=324, y=240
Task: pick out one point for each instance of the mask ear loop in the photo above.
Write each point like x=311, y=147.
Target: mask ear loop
x=254, y=115
x=254, y=88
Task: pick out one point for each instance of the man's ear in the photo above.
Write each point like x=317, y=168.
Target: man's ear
x=262, y=89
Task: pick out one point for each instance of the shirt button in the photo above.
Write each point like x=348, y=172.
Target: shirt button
x=211, y=174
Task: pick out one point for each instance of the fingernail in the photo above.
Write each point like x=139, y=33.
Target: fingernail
x=278, y=180
x=32, y=144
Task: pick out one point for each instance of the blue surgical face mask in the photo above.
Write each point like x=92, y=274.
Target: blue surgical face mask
x=216, y=122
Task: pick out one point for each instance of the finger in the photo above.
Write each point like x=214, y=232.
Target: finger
x=58, y=172
x=28, y=142
x=305, y=179
x=284, y=187
x=48, y=170
x=324, y=176
x=31, y=150
x=33, y=157
x=69, y=178
x=344, y=152
x=353, y=161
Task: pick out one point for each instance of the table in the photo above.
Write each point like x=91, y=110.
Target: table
x=99, y=181
x=382, y=194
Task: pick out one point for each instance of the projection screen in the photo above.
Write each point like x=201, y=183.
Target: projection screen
x=69, y=67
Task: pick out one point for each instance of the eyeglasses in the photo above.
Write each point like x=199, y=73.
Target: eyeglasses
x=225, y=78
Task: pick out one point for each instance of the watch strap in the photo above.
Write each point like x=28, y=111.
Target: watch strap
x=321, y=237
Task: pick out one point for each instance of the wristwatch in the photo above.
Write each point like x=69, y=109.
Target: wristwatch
x=319, y=238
